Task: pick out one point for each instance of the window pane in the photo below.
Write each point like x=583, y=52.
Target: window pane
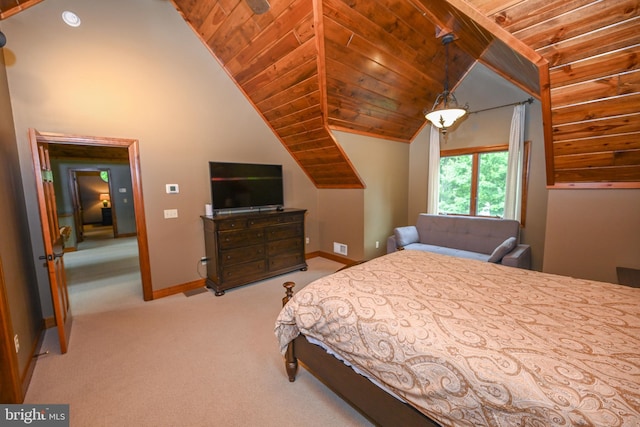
x=455, y=184
x=492, y=182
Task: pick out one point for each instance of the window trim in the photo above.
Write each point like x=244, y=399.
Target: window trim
x=475, y=152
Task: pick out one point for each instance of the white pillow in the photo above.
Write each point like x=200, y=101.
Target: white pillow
x=503, y=249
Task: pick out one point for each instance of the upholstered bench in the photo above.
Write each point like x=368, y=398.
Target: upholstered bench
x=484, y=239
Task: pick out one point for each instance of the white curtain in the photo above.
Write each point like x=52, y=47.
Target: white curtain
x=433, y=190
x=513, y=198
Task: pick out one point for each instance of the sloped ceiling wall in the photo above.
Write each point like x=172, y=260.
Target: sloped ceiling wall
x=367, y=67
x=373, y=67
x=592, y=48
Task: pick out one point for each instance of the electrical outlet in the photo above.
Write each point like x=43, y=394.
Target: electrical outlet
x=204, y=260
x=306, y=240
x=340, y=248
x=16, y=342
x=377, y=244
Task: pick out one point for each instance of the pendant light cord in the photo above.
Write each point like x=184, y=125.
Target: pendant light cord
x=448, y=38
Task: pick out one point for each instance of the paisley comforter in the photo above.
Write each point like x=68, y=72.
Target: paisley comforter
x=473, y=343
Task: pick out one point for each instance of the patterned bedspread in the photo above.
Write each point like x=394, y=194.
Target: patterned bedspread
x=473, y=343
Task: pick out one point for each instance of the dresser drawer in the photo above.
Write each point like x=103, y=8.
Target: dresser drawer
x=284, y=245
x=285, y=261
x=269, y=220
x=296, y=217
x=235, y=256
x=240, y=238
x=232, y=224
x=284, y=231
x=240, y=271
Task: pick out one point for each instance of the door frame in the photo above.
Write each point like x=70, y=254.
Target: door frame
x=132, y=146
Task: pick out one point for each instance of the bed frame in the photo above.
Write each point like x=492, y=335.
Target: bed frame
x=371, y=401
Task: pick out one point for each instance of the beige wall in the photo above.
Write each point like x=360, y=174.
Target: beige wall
x=382, y=165
x=16, y=266
x=144, y=75
x=591, y=232
x=418, y=176
x=340, y=214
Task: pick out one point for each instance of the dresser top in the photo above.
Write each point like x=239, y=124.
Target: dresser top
x=252, y=214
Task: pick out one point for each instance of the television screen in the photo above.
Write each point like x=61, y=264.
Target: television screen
x=245, y=185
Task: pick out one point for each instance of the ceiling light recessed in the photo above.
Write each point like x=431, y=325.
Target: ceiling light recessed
x=70, y=18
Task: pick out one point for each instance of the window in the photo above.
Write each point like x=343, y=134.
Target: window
x=473, y=181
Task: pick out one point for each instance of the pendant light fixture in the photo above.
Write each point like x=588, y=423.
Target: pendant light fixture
x=450, y=112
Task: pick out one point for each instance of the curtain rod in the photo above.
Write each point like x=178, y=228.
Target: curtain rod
x=527, y=101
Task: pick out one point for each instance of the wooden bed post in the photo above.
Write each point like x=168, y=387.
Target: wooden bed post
x=291, y=362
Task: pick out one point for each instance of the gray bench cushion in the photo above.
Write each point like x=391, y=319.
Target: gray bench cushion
x=472, y=234
x=443, y=250
x=484, y=239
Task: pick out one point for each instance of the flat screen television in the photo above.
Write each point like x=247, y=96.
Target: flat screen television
x=245, y=186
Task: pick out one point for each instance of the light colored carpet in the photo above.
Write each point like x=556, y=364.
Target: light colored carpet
x=104, y=273
x=200, y=360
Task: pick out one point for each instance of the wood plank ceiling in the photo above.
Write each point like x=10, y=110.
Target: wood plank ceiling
x=373, y=66
x=11, y=7
x=593, y=51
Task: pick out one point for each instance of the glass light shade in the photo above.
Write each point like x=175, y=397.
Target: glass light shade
x=71, y=19
x=445, y=118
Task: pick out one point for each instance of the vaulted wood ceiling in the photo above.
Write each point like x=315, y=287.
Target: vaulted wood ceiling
x=11, y=7
x=373, y=66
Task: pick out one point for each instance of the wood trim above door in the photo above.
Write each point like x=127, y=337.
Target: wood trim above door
x=136, y=182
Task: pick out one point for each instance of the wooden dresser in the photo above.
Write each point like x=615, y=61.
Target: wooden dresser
x=246, y=247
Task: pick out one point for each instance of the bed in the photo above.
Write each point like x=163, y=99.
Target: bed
x=454, y=342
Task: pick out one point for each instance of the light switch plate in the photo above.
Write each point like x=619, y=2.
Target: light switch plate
x=173, y=189
x=170, y=213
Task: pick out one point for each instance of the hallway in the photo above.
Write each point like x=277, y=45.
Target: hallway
x=104, y=273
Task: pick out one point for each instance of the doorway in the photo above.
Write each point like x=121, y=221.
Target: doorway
x=103, y=274
x=101, y=264
x=91, y=148
x=90, y=193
